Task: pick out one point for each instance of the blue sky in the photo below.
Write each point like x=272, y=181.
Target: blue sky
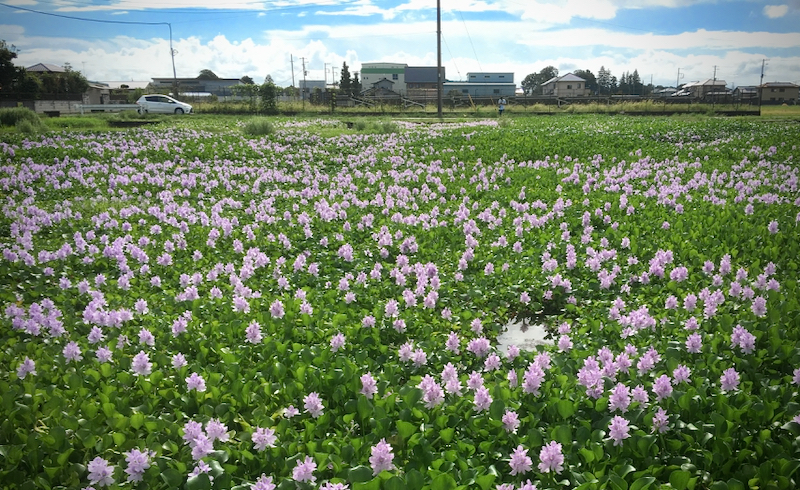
x=256, y=38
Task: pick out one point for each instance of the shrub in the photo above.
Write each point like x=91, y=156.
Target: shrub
x=12, y=116
x=387, y=127
x=258, y=127
x=360, y=125
x=25, y=126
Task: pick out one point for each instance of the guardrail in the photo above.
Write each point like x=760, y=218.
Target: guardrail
x=107, y=107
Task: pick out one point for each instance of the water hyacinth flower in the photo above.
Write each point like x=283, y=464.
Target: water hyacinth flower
x=482, y=399
x=264, y=482
x=72, y=352
x=195, y=382
x=729, y=380
x=334, y=486
x=141, y=365
x=551, y=458
x=337, y=342
x=660, y=421
x=276, y=309
x=381, y=457
x=662, y=387
x=520, y=462
x=253, y=333
x=369, y=387
x=510, y=421
x=26, y=367
x=138, y=462
x=313, y=404
x=263, y=438
x=304, y=470
x=619, y=430
x=100, y=472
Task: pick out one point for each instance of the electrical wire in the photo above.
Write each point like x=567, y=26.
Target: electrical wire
x=470, y=40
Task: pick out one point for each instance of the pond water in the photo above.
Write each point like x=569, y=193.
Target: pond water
x=523, y=335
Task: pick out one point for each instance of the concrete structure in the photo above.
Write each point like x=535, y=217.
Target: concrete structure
x=568, y=85
x=481, y=84
x=745, y=93
x=220, y=87
x=779, y=93
x=374, y=72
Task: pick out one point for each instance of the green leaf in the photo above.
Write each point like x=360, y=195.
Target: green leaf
x=642, y=483
x=734, y=484
x=199, y=482
x=566, y=408
x=359, y=474
x=137, y=420
x=447, y=434
x=562, y=434
x=617, y=483
x=485, y=481
x=443, y=482
x=679, y=479
x=394, y=483
x=405, y=429
x=365, y=407
x=414, y=480
x=373, y=484
x=171, y=477
x=497, y=409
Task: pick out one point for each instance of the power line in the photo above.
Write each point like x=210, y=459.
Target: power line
x=470, y=40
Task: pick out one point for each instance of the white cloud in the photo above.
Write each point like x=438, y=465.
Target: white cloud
x=775, y=11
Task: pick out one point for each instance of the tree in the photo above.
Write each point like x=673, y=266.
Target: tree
x=605, y=82
x=591, y=81
x=355, y=84
x=247, y=80
x=533, y=82
x=268, y=79
x=9, y=72
x=207, y=74
x=269, y=97
x=345, y=83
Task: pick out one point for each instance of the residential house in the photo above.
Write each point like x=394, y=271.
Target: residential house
x=779, y=93
x=422, y=80
x=569, y=85
x=46, y=68
x=708, y=88
x=746, y=93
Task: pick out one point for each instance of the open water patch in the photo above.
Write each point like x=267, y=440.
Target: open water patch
x=527, y=336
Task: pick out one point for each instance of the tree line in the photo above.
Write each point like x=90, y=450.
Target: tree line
x=604, y=83
x=19, y=81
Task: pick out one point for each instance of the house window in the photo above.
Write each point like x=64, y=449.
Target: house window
x=502, y=76
x=497, y=90
x=579, y=85
x=486, y=76
x=772, y=90
x=782, y=90
x=394, y=76
x=569, y=87
x=464, y=91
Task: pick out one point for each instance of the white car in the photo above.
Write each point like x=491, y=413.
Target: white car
x=162, y=104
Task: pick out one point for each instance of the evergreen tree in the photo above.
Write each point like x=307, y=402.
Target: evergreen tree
x=355, y=85
x=345, y=83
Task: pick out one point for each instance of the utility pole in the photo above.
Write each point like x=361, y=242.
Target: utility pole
x=439, y=57
x=760, y=85
x=291, y=62
x=325, y=73
x=174, y=73
x=303, y=90
x=714, y=88
x=678, y=81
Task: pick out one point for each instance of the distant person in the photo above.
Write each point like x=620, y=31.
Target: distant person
x=501, y=105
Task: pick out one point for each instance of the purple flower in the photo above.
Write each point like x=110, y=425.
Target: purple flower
x=452, y=343
x=729, y=379
x=759, y=307
x=27, y=367
x=253, y=333
x=618, y=429
x=660, y=421
x=141, y=364
x=795, y=376
x=201, y=446
x=264, y=482
x=103, y=354
x=694, y=343
x=334, y=486
x=381, y=458
x=304, y=471
x=276, y=309
x=680, y=374
x=620, y=398
x=138, y=463
x=72, y=352
x=100, y=472
x=263, y=438
x=337, y=342
x=368, y=385
x=290, y=412
x=773, y=227
x=313, y=404
x=482, y=399
x=662, y=387
x=511, y=421
x=520, y=461
x=196, y=382
x=216, y=430
x=552, y=459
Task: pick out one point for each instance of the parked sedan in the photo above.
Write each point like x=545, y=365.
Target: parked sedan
x=162, y=104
